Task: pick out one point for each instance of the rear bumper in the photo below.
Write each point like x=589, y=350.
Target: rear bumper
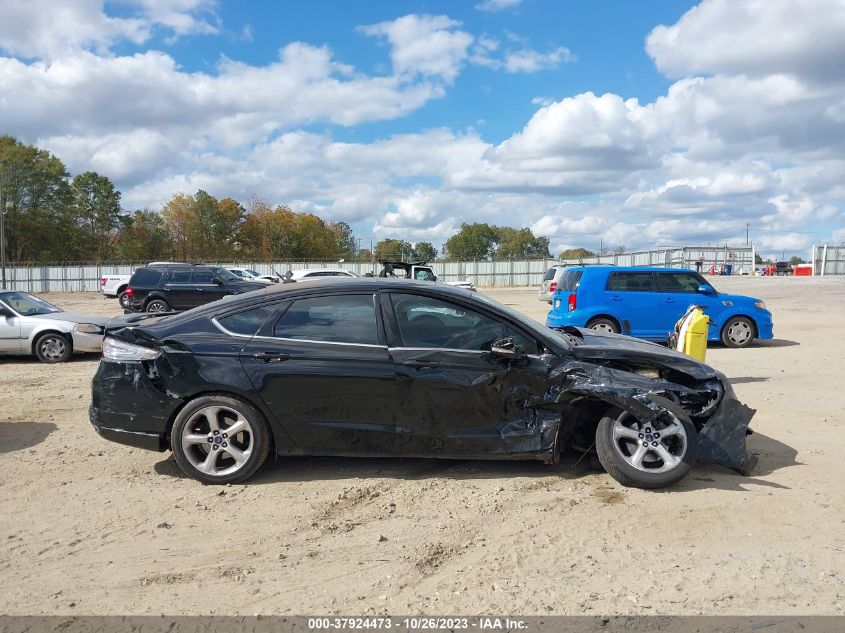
x=556, y=319
x=129, y=407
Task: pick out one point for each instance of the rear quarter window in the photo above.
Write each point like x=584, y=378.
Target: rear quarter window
x=145, y=277
x=570, y=281
x=248, y=322
x=550, y=274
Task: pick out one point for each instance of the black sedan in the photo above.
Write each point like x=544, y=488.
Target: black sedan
x=384, y=367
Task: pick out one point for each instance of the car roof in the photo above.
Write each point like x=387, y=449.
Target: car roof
x=303, y=271
x=638, y=269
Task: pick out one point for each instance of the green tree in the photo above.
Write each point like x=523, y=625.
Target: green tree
x=40, y=222
x=576, y=253
x=473, y=241
x=347, y=245
x=425, y=251
x=520, y=244
x=394, y=250
x=795, y=260
x=96, y=206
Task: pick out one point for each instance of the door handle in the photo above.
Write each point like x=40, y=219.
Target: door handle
x=419, y=363
x=668, y=300
x=615, y=298
x=270, y=357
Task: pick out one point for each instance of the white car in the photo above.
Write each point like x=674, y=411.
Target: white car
x=251, y=275
x=30, y=325
x=114, y=286
x=316, y=273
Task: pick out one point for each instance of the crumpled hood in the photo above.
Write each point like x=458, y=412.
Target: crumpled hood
x=72, y=317
x=606, y=346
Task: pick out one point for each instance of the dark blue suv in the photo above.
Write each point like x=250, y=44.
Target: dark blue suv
x=647, y=302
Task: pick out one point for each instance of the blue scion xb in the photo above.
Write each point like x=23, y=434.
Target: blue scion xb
x=647, y=302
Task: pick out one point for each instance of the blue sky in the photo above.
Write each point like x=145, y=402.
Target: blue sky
x=632, y=123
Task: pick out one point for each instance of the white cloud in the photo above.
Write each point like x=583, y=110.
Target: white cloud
x=47, y=29
x=429, y=45
x=493, y=6
x=530, y=61
x=754, y=37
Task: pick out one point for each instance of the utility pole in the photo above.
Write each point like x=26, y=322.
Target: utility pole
x=746, y=233
x=3, y=228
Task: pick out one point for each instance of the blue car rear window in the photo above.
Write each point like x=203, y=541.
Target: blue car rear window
x=570, y=281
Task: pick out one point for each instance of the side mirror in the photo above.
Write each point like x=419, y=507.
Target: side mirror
x=706, y=289
x=505, y=348
x=6, y=313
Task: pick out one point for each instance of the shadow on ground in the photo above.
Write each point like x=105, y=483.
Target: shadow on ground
x=16, y=436
x=773, y=455
x=775, y=342
x=745, y=379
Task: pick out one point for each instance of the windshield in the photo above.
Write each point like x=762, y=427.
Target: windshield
x=26, y=304
x=530, y=324
x=226, y=275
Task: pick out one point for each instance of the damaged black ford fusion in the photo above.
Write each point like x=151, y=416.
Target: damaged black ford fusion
x=393, y=367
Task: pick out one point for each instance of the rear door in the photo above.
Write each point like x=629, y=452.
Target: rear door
x=179, y=289
x=677, y=291
x=630, y=297
x=323, y=369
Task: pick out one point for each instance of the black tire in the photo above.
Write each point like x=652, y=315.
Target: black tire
x=603, y=324
x=611, y=450
x=253, y=443
x=157, y=305
x=53, y=347
x=738, y=332
x=123, y=299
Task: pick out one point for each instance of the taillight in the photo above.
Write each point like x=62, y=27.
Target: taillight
x=103, y=280
x=572, y=302
x=552, y=286
x=129, y=292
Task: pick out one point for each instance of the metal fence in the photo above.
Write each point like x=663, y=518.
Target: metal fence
x=86, y=277
x=829, y=259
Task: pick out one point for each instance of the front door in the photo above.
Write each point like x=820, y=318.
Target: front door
x=10, y=333
x=677, y=291
x=207, y=287
x=323, y=370
x=179, y=289
x=454, y=397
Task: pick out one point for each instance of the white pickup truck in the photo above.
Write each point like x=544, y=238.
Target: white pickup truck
x=114, y=285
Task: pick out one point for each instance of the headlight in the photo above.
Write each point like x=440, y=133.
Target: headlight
x=88, y=328
x=760, y=304
x=119, y=351
x=648, y=373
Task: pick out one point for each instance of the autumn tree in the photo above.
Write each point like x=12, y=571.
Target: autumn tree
x=143, y=237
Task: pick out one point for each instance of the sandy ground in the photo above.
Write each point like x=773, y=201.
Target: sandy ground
x=91, y=527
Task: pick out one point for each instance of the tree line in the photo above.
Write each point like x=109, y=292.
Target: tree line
x=53, y=217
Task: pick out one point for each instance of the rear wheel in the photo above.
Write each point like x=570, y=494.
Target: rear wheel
x=123, y=299
x=603, y=324
x=738, y=332
x=53, y=348
x=646, y=455
x=219, y=439
x=158, y=305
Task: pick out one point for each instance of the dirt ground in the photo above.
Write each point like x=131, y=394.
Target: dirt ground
x=91, y=527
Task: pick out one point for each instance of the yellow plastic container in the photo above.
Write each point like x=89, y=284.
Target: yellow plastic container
x=692, y=338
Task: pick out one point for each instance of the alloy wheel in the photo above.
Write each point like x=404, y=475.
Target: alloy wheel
x=654, y=447
x=217, y=440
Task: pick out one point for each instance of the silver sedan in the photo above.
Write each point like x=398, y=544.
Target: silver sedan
x=30, y=325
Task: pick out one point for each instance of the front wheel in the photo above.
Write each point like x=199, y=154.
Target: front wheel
x=603, y=324
x=646, y=455
x=53, y=348
x=738, y=332
x=219, y=440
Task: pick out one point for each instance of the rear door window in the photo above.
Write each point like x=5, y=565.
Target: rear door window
x=203, y=277
x=146, y=277
x=679, y=282
x=332, y=319
x=180, y=277
x=631, y=281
